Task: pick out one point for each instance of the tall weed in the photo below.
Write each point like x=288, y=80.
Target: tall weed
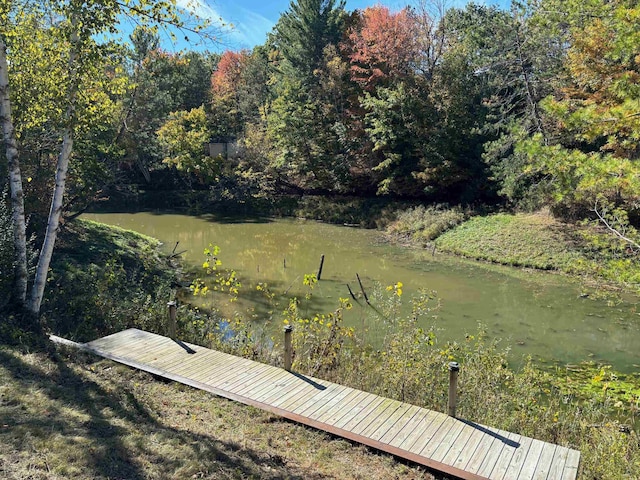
x=411, y=366
x=424, y=224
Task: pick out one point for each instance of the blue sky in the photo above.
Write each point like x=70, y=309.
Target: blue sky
x=253, y=19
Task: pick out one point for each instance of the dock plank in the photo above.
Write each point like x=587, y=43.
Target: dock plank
x=558, y=462
x=457, y=447
x=517, y=461
x=390, y=421
x=498, y=447
x=508, y=451
x=440, y=421
x=531, y=462
x=360, y=416
x=383, y=415
x=439, y=451
x=407, y=417
x=320, y=408
x=331, y=418
x=326, y=414
x=570, y=471
x=436, y=439
x=544, y=462
x=409, y=433
x=469, y=450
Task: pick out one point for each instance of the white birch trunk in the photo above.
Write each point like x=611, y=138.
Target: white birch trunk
x=15, y=183
x=53, y=223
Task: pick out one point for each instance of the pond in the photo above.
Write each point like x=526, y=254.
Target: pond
x=539, y=314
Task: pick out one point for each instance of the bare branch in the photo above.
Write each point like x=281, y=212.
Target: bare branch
x=617, y=233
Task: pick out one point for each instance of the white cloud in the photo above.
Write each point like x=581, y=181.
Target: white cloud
x=251, y=28
x=242, y=28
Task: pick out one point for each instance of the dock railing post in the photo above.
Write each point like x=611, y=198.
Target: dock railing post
x=454, y=368
x=173, y=313
x=320, y=268
x=288, y=348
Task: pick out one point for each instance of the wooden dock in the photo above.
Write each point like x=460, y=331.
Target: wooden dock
x=454, y=446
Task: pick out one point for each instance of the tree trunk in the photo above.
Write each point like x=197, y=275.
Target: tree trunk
x=15, y=182
x=531, y=97
x=53, y=223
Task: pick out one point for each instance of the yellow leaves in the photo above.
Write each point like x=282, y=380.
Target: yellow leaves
x=182, y=137
x=345, y=303
x=396, y=288
x=309, y=280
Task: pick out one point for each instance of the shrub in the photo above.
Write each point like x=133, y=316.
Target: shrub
x=411, y=366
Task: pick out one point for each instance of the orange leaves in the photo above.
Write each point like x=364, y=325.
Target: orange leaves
x=385, y=44
x=226, y=78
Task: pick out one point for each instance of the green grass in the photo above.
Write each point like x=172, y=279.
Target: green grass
x=542, y=242
x=83, y=418
x=422, y=225
x=104, y=279
x=527, y=240
x=522, y=240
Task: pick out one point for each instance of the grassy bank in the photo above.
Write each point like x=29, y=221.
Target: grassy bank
x=77, y=417
x=529, y=240
x=522, y=240
x=104, y=279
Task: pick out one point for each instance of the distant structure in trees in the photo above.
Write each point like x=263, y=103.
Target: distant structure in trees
x=226, y=147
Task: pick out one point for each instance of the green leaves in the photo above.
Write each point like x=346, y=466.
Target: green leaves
x=303, y=32
x=595, y=117
x=184, y=138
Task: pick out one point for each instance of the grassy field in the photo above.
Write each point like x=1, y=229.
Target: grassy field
x=83, y=418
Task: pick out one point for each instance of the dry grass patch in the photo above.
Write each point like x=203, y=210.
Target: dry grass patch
x=80, y=418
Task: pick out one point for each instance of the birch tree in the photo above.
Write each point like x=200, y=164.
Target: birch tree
x=77, y=23
x=15, y=177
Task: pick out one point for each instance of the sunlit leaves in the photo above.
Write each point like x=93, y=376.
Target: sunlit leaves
x=384, y=45
x=303, y=32
x=228, y=74
x=184, y=138
x=596, y=115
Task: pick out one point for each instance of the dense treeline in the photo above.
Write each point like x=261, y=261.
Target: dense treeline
x=536, y=105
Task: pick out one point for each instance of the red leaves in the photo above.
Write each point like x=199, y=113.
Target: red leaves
x=383, y=45
x=225, y=79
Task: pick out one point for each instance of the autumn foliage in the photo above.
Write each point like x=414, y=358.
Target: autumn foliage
x=225, y=79
x=383, y=45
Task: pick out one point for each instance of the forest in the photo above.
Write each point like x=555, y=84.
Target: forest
x=533, y=106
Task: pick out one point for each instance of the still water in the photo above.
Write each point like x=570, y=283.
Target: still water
x=537, y=314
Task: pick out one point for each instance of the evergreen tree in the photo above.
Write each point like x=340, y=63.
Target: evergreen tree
x=305, y=30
